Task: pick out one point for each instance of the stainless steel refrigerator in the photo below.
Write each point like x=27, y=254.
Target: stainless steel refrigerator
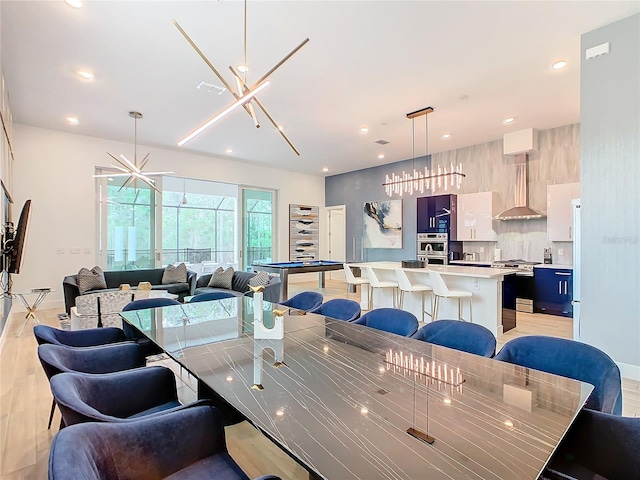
x=575, y=204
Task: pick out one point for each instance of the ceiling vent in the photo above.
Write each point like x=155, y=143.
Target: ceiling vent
x=381, y=142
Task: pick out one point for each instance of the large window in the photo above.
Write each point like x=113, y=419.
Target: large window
x=197, y=222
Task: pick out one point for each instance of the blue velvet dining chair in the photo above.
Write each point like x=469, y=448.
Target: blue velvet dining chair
x=464, y=336
x=304, y=301
x=108, y=358
x=599, y=443
x=115, y=397
x=78, y=338
x=571, y=359
x=185, y=444
x=339, y=308
x=390, y=320
x=209, y=296
x=149, y=303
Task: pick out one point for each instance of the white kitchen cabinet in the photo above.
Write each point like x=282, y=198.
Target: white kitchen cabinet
x=475, y=216
x=559, y=212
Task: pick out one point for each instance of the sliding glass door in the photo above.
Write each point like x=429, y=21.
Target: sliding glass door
x=127, y=224
x=258, y=226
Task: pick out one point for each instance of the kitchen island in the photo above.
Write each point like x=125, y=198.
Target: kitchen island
x=484, y=283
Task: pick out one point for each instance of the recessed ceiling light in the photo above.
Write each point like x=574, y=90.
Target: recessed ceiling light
x=559, y=64
x=446, y=135
x=364, y=130
x=381, y=156
x=86, y=75
x=229, y=378
x=509, y=120
x=72, y=120
x=325, y=169
x=243, y=68
x=228, y=150
x=74, y=3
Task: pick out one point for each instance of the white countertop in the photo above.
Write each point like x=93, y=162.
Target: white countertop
x=554, y=266
x=453, y=270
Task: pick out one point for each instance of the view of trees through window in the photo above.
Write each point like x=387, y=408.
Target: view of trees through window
x=199, y=225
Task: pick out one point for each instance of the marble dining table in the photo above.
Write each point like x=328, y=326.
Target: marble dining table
x=350, y=402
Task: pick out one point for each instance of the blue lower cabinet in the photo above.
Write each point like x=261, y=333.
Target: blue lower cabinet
x=553, y=291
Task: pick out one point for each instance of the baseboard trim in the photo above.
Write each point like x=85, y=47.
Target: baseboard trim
x=630, y=371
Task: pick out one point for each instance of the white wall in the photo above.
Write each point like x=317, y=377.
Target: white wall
x=55, y=170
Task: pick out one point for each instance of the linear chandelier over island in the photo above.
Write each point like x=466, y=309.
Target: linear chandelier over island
x=419, y=181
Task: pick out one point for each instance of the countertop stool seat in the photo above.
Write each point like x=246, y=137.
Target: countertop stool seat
x=406, y=285
x=440, y=290
x=378, y=278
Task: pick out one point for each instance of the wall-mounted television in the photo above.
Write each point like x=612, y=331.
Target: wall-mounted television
x=14, y=241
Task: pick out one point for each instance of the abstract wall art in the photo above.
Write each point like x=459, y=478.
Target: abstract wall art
x=304, y=232
x=382, y=224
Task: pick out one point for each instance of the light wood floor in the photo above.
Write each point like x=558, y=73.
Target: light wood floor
x=25, y=399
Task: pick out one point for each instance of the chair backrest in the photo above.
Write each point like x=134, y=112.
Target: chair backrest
x=571, y=359
x=209, y=296
x=149, y=303
x=437, y=283
x=114, y=397
x=102, y=451
x=350, y=276
x=464, y=336
x=304, y=301
x=403, y=279
x=373, y=278
x=390, y=320
x=339, y=308
x=78, y=338
x=101, y=359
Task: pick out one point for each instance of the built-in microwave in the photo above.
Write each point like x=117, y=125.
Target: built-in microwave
x=433, y=244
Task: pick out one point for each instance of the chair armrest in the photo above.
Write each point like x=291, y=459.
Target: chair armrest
x=71, y=291
x=192, y=279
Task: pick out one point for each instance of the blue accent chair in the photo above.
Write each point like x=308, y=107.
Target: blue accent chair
x=109, y=358
x=186, y=444
x=133, y=334
x=571, y=359
x=207, y=297
x=339, y=308
x=390, y=320
x=78, y=338
x=599, y=443
x=304, y=301
x=115, y=397
x=464, y=336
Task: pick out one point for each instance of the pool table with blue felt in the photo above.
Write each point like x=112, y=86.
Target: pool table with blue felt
x=284, y=269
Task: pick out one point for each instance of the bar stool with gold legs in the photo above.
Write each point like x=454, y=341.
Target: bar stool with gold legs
x=378, y=278
x=406, y=285
x=440, y=290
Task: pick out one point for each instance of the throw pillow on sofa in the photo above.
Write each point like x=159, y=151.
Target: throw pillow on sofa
x=260, y=278
x=173, y=274
x=221, y=278
x=91, y=279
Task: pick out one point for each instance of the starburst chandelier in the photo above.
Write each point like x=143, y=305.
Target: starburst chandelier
x=130, y=169
x=245, y=95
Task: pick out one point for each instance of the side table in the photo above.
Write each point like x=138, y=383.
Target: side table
x=40, y=293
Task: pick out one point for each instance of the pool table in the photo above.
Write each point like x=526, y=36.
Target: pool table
x=284, y=269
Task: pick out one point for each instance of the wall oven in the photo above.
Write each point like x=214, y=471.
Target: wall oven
x=434, y=248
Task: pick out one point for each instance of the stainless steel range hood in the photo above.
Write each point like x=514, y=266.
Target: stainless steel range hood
x=521, y=210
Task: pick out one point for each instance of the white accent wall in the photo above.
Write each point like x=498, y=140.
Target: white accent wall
x=55, y=170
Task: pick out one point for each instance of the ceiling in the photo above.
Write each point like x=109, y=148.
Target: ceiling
x=367, y=63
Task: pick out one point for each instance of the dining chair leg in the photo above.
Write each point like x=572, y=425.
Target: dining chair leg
x=53, y=409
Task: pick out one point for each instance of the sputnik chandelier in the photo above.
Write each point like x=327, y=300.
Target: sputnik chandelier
x=245, y=95
x=130, y=169
x=419, y=181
